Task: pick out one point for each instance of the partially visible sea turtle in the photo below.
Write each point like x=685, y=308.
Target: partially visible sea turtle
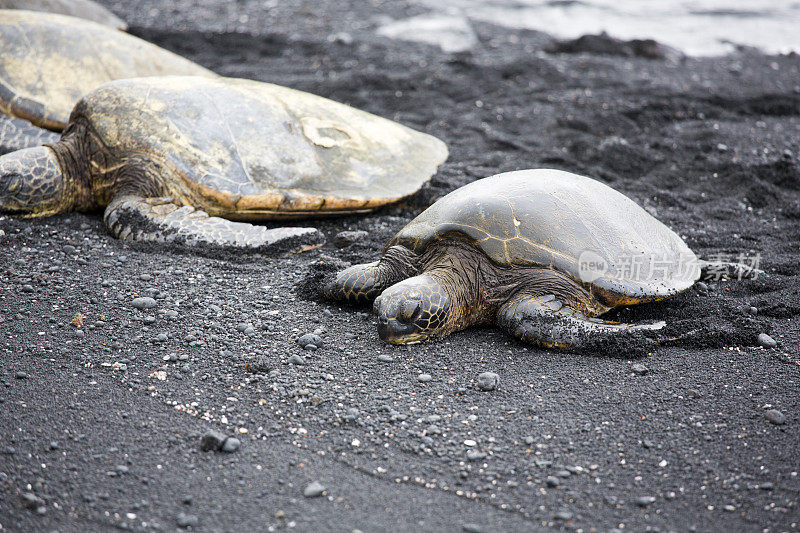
x=85, y=9
x=164, y=153
x=49, y=61
x=541, y=253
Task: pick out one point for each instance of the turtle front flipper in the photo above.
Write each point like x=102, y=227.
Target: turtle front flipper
x=363, y=283
x=32, y=184
x=16, y=134
x=548, y=322
x=132, y=217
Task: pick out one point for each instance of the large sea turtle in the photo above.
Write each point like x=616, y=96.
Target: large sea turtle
x=541, y=253
x=49, y=61
x=85, y=9
x=164, y=153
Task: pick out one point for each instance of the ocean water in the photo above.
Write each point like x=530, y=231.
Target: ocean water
x=696, y=27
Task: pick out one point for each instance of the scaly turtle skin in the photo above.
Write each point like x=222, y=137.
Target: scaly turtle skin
x=85, y=9
x=541, y=253
x=177, y=158
x=49, y=61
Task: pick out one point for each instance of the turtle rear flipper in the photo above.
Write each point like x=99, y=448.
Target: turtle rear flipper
x=132, y=217
x=548, y=322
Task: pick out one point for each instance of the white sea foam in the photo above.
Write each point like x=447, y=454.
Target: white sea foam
x=697, y=27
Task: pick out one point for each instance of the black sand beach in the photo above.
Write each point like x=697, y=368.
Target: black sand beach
x=101, y=425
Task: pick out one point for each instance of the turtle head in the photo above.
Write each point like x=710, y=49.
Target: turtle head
x=413, y=310
x=31, y=183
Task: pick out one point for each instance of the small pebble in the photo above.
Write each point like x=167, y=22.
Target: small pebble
x=310, y=340
x=297, y=360
x=144, y=302
x=639, y=369
x=766, y=341
x=474, y=455
x=563, y=515
x=212, y=441
x=385, y=358
x=488, y=381
x=552, y=481
x=187, y=520
x=346, y=238
x=231, y=444
x=776, y=417
x=20, y=375
x=472, y=528
x=644, y=501
x=314, y=489
x=424, y=378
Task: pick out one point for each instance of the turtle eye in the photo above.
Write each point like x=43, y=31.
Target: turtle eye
x=408, y=310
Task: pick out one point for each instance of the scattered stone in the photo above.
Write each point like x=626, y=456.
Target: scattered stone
x=701, y=286
x=28, y=288
x=474, y=455
x=31, y=500
x=144, y=302
x=563, y=515
x=644, y=501
x=472, y=528
x=552, y=481
x=385, y=358
x=343, y=239
x=488, y=381
x=692, y=393
x=310, y=341
x=212, y=441
x=639, y=369
x=776, y=417
x=604, y=44
x=297, y=360
x=424, y=378
x=766, y=341
x=314, y=489
x=19, y=374
x=77, y=320
x=231, y=444
x=187, y=520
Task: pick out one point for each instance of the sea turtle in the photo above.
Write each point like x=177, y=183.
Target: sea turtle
x=541, y=253
x=164, y=153
x=49, y=61
x=85, y=9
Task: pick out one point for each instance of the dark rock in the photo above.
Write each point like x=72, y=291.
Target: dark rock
x=187, y=520
x=776, y=417
x=488, y=381
x=310, y=339
x=604, y=44
x=344, y=239
x=212, y=441
x=144, y=302
x=766, y=341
